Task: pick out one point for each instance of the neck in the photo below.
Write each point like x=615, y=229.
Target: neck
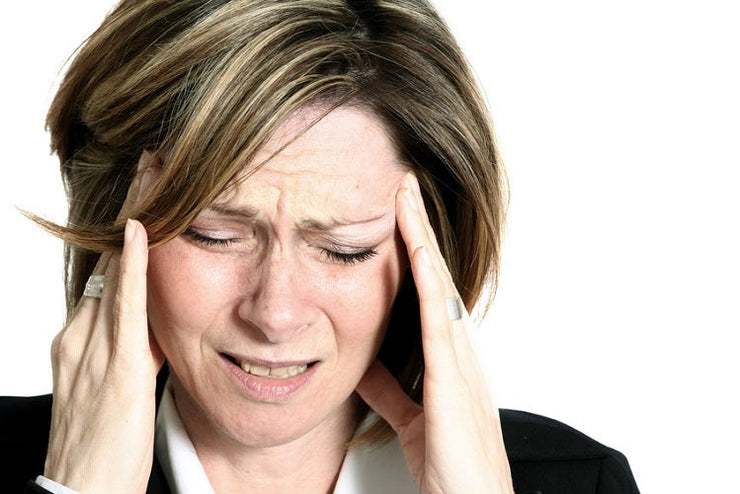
x=309, y=463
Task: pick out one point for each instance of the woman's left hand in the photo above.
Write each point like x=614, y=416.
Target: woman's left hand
x=453, y=444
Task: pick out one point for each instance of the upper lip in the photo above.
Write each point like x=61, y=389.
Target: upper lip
x=270, y=363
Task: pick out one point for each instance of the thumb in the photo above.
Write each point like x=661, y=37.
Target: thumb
x=380, y=390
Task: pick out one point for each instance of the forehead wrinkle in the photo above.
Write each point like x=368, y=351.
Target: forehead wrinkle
x=334, y=223
x=312, y=225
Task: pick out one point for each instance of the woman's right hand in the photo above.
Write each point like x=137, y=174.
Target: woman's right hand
x=105, y=364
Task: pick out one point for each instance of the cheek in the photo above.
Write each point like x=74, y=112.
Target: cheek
x=362, y=302
x=185, y=294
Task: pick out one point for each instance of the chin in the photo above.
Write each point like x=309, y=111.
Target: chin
x=259, y=424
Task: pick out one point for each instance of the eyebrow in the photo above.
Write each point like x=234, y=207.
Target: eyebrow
x=250, y=213
x=245, y=212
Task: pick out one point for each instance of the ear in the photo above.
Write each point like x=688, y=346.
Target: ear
x=148, y=171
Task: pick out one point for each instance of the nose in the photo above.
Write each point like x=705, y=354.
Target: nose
x=277, y=303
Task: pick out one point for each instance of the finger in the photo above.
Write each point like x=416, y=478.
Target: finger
x=417, y=231
x=437, y=330
x=433, y=282
x=99, y=311
x=74, y=342
x=87, y=306
x=130, y=323
x=415, y=190
x=380, y=390
x=132, y=308
x=91, y=330
x=120, y=306
x=431, y=236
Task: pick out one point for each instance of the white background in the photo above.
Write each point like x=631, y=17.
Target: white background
x=618, y=303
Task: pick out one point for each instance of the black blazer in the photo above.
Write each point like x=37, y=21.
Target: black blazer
x=546, y=456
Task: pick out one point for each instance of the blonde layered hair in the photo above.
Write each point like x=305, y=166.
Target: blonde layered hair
x=206, y=82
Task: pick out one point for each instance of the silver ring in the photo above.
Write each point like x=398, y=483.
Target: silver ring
x=94, y=286
x=455, y=308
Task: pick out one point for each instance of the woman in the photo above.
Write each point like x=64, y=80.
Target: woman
x=296, y=203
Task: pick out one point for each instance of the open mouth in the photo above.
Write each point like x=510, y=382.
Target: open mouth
x=261, y=370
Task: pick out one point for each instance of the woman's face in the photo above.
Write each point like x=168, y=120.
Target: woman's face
x=274, y=302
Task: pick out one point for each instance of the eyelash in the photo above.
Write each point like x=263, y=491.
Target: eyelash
x=206, y=240
x=348, y=259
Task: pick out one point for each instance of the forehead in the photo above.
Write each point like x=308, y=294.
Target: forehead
x=345, y=163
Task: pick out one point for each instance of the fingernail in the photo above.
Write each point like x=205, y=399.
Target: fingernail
x=414, y=183
x=129, y=231
x=411, y=199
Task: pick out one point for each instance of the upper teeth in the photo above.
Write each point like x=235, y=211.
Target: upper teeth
x=279, y=372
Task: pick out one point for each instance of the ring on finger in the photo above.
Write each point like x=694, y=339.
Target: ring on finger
x=94, y=286
x=455, y=308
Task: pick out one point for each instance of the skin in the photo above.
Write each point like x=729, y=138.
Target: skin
x=274, y=294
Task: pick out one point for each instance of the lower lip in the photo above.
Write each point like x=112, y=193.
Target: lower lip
x=269, y=389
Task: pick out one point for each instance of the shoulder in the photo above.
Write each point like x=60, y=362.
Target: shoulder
x=24, y=435
x=549, y=456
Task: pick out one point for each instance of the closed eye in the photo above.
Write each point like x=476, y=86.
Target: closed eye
x=200, y=238
x=349, y=258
